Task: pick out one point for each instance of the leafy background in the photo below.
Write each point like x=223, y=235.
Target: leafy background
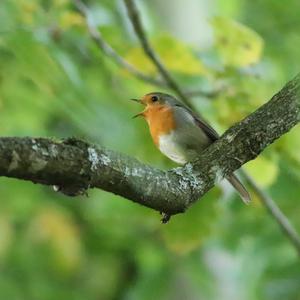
x=55, y=82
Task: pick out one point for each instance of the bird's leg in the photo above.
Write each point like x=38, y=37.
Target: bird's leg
x=72, y=191
x=165, y=217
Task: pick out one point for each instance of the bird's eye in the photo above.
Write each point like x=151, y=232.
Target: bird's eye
x=154, y=98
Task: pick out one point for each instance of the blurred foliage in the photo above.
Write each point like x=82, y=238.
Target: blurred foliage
x=238, y=46
x=267, y=172
x=176, y=56
x=55, y=82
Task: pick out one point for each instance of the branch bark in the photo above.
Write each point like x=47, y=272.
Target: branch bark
x=76, y=165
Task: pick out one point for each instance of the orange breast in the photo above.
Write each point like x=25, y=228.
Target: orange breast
x=160, y=120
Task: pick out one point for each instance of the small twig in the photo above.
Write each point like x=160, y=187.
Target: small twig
x=120, y=61
x=108, y=50
x=140, y=32
x=275, y=212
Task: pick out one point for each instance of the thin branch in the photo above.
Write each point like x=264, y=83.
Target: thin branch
x=141, y=34
x=108, y=50
x=97, y=37
x=275, y=212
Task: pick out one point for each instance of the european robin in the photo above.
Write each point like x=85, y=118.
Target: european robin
x=179, y=133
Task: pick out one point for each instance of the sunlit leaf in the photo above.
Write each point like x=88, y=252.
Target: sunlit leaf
x=69, y=19
x=28, y=11
x=237, y=45
x=290, y=143
x=53, y=226
x=176, y=55
x=186, y=232
x=59, y=3
x=264, y=170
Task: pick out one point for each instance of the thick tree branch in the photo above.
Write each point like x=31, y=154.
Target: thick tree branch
x=78, y=165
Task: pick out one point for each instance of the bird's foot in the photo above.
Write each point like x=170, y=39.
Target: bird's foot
x=165, y=217
x=72, y=191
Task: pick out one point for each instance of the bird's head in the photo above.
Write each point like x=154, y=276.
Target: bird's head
x=155, y=102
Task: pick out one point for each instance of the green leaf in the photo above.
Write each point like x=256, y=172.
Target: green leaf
x=55, y=226
x=186, y=232
x=237, y=45
x=177, y=57
x=6, y=235
x=264, y=170
x=69, y=19
x=290, y=143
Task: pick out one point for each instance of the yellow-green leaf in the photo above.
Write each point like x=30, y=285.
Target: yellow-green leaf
x=186, y=232
x=290, y=143
x=237, y=45
x=56, y=227
x=60, y=3
x=264, y=170
x=28, y=10
x=69, y=19
x=177, y=57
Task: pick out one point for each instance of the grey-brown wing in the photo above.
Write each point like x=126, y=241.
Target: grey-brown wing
x=210, y=132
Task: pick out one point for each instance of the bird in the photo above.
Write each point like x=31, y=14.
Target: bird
x=179, y=133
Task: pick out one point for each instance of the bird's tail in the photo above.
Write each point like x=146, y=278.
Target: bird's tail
x=236, y=183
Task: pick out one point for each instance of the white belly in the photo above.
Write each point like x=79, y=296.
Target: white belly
x=169, y=147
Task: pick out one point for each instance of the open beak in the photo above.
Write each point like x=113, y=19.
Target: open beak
x=141, y=114
x=136, y=100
